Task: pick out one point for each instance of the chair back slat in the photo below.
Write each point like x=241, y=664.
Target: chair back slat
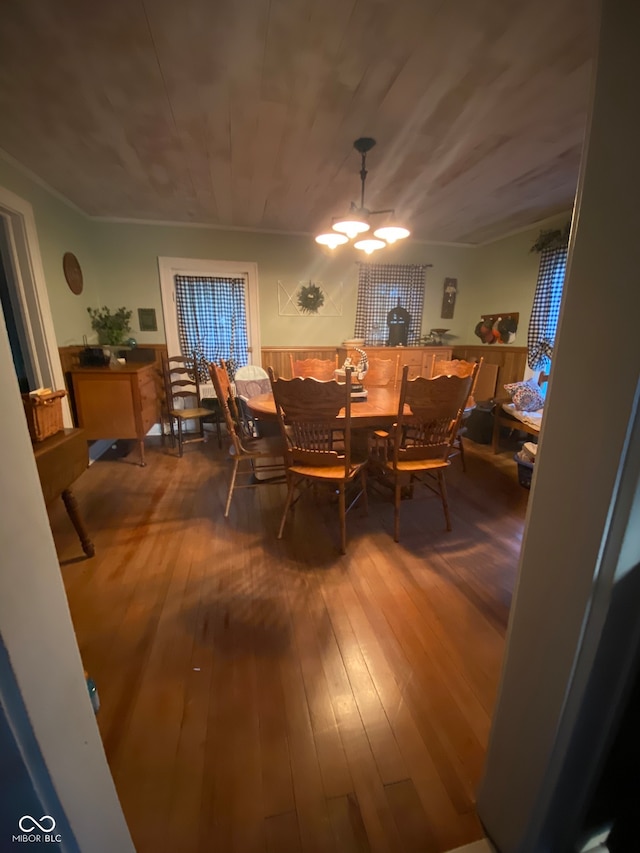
x=435, y=406
x=381, y=372
x=180, y=379
x=222, y=387
x=458, y=367
x=315, y=368
x=308, y=412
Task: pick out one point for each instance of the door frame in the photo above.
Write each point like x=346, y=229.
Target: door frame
x=26, y=275
x=168, y=268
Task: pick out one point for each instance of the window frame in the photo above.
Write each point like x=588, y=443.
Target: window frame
x=168, y=268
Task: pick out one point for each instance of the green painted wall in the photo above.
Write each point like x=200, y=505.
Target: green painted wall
x=60, y=229
x=505, y=274
x=120, y=265
x=128, y=258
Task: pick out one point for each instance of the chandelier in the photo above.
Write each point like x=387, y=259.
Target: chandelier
x=355, y=225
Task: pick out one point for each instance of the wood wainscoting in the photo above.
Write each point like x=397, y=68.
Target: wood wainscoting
x=278, y=357
x=511, y=361
x=419, y=359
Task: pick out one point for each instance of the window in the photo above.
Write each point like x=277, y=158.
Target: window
x=223, y=305
x=546, y=307
x=383, y=287
x=212, y=318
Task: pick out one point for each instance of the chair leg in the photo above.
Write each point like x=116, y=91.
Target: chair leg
x=365, y=496
x=232, y=484
x=179, y=437
x=461, y=448
x=287, y=504
x=342, y=508
x=443, y=495
x=218, y=430
x=396, y=510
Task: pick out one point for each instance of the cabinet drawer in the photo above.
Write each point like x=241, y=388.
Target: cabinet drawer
x=415, y=370
x=411, y=358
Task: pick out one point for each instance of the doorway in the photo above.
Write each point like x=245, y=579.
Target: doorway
x=28, y=299
x=15, y=327
x=245, y=274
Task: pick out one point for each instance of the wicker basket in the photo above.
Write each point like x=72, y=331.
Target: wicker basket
x=44, y=414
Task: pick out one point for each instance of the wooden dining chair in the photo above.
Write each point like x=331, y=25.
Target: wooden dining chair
x=382, y=372
x=318, y=443
x=419, y=445
x=245, y=450
x=182, y=399
x=458, y=367
x=317, y=368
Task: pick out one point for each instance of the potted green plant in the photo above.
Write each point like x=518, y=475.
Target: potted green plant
x=111, y=328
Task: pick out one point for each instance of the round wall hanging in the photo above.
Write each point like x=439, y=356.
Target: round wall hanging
x=72, y=273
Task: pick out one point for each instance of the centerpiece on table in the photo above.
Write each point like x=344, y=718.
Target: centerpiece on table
x=111, y=328
x=358, y=372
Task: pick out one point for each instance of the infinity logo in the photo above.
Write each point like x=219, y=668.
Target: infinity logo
x=28, y=823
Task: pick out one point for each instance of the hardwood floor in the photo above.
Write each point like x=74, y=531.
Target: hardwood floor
x=265, y=695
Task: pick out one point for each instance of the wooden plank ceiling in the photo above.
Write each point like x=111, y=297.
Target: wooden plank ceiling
x=244, y=113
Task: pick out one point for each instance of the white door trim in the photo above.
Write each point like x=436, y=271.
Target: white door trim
x=31, y=289
x=170, y=267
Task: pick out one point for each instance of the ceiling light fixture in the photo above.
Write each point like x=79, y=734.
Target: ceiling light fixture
x=348, y=227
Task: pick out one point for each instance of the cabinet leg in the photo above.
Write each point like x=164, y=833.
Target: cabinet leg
x=71, y=505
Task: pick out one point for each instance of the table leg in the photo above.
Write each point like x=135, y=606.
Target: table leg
x=71, y=506
x=142, y=462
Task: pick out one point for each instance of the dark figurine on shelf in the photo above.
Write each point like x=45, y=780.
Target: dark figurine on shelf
x=398, y=320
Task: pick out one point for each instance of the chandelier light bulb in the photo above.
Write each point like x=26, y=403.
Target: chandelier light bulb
x=357, y=220
x=332, y=239
x=351, y=227
x=391, y=233
x=370, y=245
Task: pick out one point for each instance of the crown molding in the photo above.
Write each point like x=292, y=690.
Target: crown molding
x=20, y=167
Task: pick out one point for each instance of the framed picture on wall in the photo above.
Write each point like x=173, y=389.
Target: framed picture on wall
x=147, y=320
x=449, y=293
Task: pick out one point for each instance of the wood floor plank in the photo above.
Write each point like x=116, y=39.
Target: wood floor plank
x=425, y=773
x=348, y=825
x=282, y=833
x=336, y=778
x=412, y=822
x=266, y=696
x=367, y=783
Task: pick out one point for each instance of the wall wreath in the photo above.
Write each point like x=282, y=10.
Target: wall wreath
x=310, y=298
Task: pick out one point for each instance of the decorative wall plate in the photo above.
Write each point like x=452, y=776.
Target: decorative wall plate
x=72, y=273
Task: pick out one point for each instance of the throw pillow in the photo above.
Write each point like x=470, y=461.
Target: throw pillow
x=525, y=396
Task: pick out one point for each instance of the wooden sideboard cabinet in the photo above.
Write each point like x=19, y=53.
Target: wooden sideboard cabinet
x=116, y=402
x=419, y=359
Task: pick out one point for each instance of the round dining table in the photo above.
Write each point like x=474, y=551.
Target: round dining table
x=380, y=408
